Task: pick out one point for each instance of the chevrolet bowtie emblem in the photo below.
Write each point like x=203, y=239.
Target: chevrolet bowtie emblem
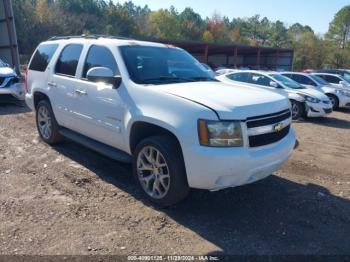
x=279, y=127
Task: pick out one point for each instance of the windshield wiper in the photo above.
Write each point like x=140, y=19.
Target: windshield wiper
x=203, y=78
x=167, y=78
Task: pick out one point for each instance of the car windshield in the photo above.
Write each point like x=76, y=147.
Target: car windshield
x=346, y=76
x=2, y=63
x=318, y=80
x=162, y=65
x=287, y=81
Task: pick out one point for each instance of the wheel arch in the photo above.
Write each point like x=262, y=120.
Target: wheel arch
x=140, y=130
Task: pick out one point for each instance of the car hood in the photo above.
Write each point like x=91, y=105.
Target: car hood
x=7, y=72
x=229, y=101
x=310, y=92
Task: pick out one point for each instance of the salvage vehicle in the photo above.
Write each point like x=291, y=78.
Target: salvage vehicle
x=153, y=105
x=339, y=97
x=305, y=102
x=335, y=80
x=10, y=83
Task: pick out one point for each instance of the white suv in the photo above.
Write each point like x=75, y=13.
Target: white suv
x=154, y=105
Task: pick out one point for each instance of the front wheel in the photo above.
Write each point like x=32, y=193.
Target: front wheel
x=297, y=110
x=159, y=169
x=334, y=100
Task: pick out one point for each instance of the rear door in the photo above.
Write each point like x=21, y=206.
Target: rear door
x=62, y=84
x=99, y=107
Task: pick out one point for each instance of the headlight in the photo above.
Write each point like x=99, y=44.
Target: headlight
x=220, y=133
x=311, y=99
x=343, y=92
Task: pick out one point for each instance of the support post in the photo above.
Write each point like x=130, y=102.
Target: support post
x=206, y=54
x=235, y=55
x=258, y=58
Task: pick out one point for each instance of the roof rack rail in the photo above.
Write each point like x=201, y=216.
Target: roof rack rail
x=88, y=37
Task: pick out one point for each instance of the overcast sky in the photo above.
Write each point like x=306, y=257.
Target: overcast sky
x=315, y=13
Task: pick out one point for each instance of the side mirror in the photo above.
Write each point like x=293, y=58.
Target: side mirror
x=105, y=75
x=274, y=84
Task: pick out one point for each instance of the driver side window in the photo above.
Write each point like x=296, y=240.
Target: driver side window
x=99, y=56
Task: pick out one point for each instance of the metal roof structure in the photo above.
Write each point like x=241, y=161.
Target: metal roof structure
x=8, y=40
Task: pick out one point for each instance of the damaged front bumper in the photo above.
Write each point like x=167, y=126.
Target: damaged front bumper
x=12, y=86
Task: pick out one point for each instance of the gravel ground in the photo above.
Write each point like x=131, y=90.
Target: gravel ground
x=70, y=200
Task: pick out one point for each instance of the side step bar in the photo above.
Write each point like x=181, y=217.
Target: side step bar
x=94, y=145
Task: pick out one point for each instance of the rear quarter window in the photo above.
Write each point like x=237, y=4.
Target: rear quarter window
x=42, y=57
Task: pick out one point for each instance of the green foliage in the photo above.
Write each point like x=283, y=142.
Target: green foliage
x=37, y=20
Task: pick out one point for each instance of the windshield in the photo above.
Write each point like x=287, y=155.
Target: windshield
x=318, y=80
x=287, y=81
x=347, y=76
x=160, y=65
x=2, y=63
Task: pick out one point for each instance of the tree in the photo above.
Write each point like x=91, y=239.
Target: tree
x=164, y=24
x=339, y=28
x=208, y=37
x=217, y=26
x=191, y=25
x=279, y=36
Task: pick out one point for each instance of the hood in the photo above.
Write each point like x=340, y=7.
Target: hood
x=310, y=92
x=7, y=72
x=230, y=102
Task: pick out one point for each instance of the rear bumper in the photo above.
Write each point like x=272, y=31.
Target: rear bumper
x=29, y=101
x=219, y=168
x=16, y=90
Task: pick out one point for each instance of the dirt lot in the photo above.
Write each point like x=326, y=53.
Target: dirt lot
x=69, y=200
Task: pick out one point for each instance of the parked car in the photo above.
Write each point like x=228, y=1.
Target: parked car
x=345, y=73
x=9, y=82
x=335, y=80
x=305, y=102
x=154, y=106
x=339, y=97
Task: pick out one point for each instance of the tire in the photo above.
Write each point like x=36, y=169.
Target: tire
x=297, y=110
x=170, y=180
x=44, y=113
x=334, y=100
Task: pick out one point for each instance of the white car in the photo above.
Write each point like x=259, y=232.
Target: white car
x=154, y=106
x=305, y=102
x=335, y=80
x=340, y=97
x=9, y=82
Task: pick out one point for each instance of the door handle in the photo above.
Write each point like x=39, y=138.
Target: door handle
x=80, y=92
x=52, y=84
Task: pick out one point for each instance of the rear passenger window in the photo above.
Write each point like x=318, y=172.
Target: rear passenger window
x=42, y=57
x=240, y=77
x=67, y=63
x=99, y=56
x=332, y=79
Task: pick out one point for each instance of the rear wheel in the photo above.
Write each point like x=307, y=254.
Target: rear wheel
x=297, y=109
x=334, y=101
x=159, y=169
x=46, y=123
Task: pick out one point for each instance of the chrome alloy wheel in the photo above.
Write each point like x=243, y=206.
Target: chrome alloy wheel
x=153, y=172
x=295, y=110
x=332, y=101
x=44, y=122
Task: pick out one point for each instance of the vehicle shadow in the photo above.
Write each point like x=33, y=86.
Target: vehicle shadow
x=273, y=216
x=330, y=122
x=11, y=107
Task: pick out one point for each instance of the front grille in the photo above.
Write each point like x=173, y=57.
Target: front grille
x=269, y=120
x=327, y=102
x=270, y=136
